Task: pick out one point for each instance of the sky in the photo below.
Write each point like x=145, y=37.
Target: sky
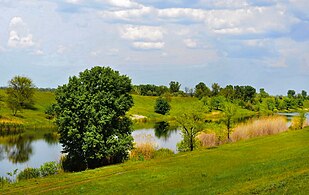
x=262, y=43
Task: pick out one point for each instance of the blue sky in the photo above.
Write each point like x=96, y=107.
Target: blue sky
x=261, y=43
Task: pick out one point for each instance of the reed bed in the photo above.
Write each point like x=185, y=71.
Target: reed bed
x=145, y=147
x=260, y=127
x=207, y=139
x=8, y=127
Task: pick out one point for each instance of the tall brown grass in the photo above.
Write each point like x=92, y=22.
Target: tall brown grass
x=207, y=139
x=259, y=127
x=144, y=149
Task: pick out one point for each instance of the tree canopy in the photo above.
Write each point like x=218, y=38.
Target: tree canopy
x=20, y=93
x=91, y=119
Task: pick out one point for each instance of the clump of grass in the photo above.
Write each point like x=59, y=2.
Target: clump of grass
x=255, y=128
x=28, y=173
x=144, y=149
x=299, y=122
x=163, y=153
x=207, y=139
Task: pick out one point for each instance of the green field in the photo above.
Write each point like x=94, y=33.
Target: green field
x=143, y=105
x=276, y=164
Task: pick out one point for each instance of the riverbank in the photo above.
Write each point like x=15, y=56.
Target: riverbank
x=273, y=165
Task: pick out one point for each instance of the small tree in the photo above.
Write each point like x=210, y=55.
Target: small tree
x=230, y=111
x=91, y=118
x=162, y=106
x=190, y=123
x=20, y=93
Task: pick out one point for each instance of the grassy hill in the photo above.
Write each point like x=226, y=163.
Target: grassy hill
x=276, y=164
x=143, y=105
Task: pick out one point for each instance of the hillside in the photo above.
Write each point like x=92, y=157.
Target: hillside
x=143, y=106
x=269, y=165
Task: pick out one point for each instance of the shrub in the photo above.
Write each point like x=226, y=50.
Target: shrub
x=49, y=168
x=162, y=106
x=260, y=127
x=207, y=139
x=28, y=173
x=299, y=122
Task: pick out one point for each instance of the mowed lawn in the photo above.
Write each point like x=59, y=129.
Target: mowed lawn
x=277, y=164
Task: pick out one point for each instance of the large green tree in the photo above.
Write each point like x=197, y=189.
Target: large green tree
x=201, y=90
x=230, y=114
x=91, y=119
x=20, y=93
x=174, y=86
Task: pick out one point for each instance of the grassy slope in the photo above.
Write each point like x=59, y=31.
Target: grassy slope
x=30, y=118
x=273, y=165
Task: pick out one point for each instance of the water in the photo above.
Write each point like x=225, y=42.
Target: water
x=20, y=152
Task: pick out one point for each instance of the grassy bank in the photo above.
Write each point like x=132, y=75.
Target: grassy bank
x=277, y=164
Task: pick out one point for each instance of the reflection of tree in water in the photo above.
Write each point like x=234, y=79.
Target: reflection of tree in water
x=163, y=130
x=1, y=152
x=51, y=138
x=18, y=149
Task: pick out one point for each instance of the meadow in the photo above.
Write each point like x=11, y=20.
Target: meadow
x=276, y=164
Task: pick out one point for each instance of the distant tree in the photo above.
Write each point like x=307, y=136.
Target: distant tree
x=228, y=92
x=263, y=93
x=201, y=90
x=215, y=89
x=291, y=93
x=304, y=94
x=91, y=117
x=230, y=114
x=20, y=93
x=174, y=87
x=190, y=123
x=189, y=91
x=162, y=106
x=249, y=93
x=217, y=102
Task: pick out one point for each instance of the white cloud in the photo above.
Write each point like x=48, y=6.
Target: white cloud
x=149, y=45
x=148, y=33
x=131, y=14
x=19, y=37
x=73, y=1
x=125, y=3
x=61, y=49
x=39, y=52
x=190, y=43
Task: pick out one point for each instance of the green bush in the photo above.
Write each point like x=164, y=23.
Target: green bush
x=162, y=106
x=28, y=173
x=49, y=168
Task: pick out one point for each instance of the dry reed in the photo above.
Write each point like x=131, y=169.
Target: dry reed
x=207, y=139
x=255, y=128
x=145, y=147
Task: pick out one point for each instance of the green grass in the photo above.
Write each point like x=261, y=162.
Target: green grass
x=276, y=164
x=33, y=118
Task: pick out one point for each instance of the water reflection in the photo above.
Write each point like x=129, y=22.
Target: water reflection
x=18, y=148
x=163, y=130
x=51, y=138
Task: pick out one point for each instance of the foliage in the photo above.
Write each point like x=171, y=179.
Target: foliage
x=230, y=114
x=91, y=117
x=215, y=89
x=174, y=86
x=50, y=112
x=201, y=90
x=20, y=93
x=190, y=123
x=150, y=90
x=162, y=106
x=49, y=168
x=28, y=173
